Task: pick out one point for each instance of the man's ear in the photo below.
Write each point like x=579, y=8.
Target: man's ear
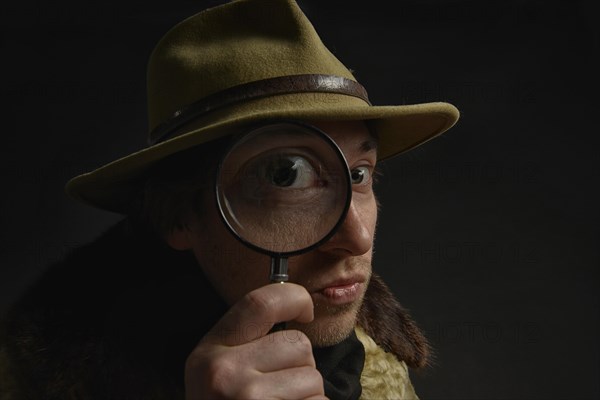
x=179, y=238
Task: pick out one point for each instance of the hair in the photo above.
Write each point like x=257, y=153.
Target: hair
x=173, y=189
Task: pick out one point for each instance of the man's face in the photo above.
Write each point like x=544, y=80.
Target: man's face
x=336, y=274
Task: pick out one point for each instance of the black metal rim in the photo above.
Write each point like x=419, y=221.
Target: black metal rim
x=333, y=230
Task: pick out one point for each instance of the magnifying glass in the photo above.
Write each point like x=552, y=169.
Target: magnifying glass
x=283, y=189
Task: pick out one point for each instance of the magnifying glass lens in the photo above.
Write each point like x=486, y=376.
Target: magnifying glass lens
x=283, y=187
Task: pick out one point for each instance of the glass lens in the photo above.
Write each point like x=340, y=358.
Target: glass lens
x=283, y=187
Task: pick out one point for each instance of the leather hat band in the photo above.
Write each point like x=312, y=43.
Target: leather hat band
x=258, y=89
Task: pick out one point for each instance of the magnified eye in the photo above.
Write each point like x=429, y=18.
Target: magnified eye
x=360, y=176
x=288, y=171
x=279, y=176
x=284, y=187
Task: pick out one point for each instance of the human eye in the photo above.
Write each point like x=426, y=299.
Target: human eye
x=287, y=171
x=281, y=178
x=361, y=176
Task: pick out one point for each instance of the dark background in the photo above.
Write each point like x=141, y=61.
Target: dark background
x=488, y=234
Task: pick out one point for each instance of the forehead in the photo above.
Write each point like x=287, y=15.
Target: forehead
x=349, y=135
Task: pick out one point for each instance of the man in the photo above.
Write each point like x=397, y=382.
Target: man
x=169, y=303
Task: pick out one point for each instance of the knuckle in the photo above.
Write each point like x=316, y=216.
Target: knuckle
x=301, y=346
x=302, y=342
x=250, y=391
x=314, y=376
x=196, y=360
x=220, y=374
x=217, y=372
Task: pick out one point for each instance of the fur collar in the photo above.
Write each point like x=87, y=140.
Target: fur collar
x=384, y=377
x=391, y=326
x=89, y=318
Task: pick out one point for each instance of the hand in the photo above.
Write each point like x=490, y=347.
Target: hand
x=240, y=359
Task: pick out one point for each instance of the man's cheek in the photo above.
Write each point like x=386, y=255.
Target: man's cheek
x=239, y=261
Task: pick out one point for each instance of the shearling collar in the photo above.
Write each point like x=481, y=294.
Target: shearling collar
x=391, y=326
x=87, y=325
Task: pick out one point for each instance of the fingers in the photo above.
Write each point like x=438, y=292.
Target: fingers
x=292, y=383
x=295, y=383
x=239, y=358
x=245, y=372
x=255, y=314
x=281, y=350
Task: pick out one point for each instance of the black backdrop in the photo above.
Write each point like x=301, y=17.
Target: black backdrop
x=488, y=234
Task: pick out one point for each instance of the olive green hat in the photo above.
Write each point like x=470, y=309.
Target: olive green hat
x=240, y=63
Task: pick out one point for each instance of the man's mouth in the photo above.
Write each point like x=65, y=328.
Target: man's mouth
x=342, y=291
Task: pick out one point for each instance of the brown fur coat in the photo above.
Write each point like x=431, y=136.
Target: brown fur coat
x=112, y=321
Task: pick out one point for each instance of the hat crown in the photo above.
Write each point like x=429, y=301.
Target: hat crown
x=229, y=45
x=239, y=64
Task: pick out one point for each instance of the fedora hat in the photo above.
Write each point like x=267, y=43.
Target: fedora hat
x=238, y=64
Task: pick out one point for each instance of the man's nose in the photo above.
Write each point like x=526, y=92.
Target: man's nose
x=354, y=236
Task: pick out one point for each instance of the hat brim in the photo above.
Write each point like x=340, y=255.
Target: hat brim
x=399, y=129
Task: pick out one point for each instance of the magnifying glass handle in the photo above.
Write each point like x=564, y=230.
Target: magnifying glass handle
x=279, y=269
x=279, y=274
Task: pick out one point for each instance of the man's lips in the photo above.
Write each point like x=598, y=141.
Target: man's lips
x=341, y=291
x=339, y=282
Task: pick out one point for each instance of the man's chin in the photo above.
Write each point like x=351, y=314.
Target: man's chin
x=330, y=326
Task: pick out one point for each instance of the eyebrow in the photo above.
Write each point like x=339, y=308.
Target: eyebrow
x=368, y=145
